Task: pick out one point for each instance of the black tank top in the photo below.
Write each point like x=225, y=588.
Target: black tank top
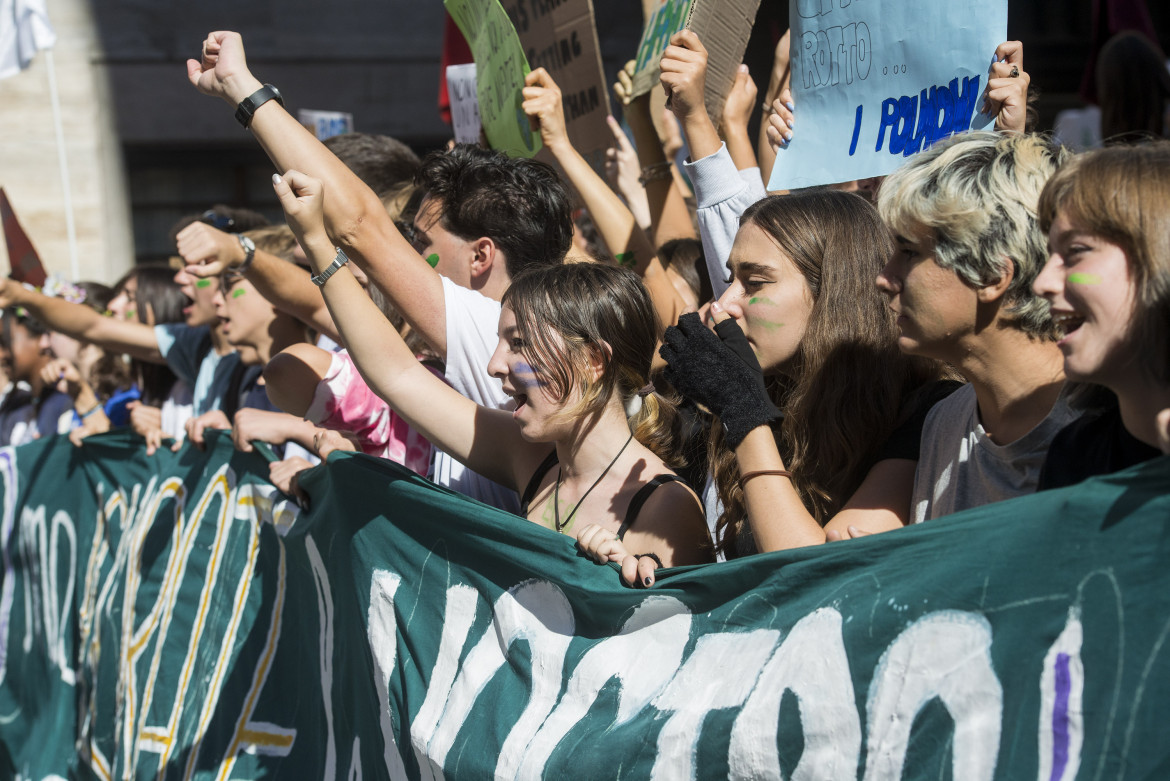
x=635, y=503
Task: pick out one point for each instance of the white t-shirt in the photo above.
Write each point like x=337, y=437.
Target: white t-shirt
x=473, y=323
x=960, y=467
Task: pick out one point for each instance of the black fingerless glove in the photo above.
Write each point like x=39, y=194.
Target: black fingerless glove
x=720, y=372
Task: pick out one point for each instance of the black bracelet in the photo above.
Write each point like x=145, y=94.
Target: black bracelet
x=652, y=556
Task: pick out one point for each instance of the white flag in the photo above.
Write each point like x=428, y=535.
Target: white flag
x=24, y=31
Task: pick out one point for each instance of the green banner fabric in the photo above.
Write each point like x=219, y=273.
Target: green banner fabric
x=176, y=617
x=500, y=68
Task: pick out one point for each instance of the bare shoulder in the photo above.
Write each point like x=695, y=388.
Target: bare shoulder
x=672, y=519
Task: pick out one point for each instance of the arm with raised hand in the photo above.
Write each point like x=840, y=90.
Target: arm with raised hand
x=1007, y=88
x=623, y=171
x=777, y=90
x=542, y=103
x=486, y=440
x=83, y=323
x=210, y=252
x=721, y=193
x=737, y=112
x=354, y=217
x=669, y=216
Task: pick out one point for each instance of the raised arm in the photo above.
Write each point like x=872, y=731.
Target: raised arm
x=487, y=441
x=737, y=112
x=669, y=217
x=628, y=242
x=83, y=323
x=354, y=216
x=1006, y=97
x=210, y=252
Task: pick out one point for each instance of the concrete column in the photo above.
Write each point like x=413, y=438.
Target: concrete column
x=29, y=167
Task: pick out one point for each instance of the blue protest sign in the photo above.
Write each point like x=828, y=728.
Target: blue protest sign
x=875, y=81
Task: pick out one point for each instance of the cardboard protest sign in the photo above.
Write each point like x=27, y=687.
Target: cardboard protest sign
x=176, y=615
x=723, y=26
x=325, y=124
x=876, y=81
x=500, y=70
x=22, y=256
x=561, y=37
x=464, y=103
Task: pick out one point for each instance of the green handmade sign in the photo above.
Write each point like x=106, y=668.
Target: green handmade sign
x=500, y=70
x=177, y=617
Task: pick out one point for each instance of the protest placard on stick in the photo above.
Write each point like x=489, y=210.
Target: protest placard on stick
x=722, y=25
x=875, y=82
x=500, y=70
x=561, y=37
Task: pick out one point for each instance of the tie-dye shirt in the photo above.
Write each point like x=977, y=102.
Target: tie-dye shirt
x=343, y=402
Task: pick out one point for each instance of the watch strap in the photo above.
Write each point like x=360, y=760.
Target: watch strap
x=249, y=248
x=248, y=105
x=340, y=260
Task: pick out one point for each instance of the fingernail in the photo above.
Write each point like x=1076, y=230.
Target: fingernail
x=743, y=68
x=715, y=307
x=276, y=179
x=790, y=106
x=787, y=135
x=647, y=580
x=789, y=123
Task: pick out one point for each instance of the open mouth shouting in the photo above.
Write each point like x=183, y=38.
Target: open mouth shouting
x=1067, y=322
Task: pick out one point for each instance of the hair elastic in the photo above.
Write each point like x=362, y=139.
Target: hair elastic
x=634, y=403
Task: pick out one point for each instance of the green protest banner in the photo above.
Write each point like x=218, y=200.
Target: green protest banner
x=177, y=617
x=500, y=70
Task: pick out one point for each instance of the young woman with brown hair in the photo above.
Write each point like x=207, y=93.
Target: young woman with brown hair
x=574, y=352
x=803, y=340
x=1107, y=216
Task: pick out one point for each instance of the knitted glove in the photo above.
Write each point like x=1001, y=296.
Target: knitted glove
x=720, y=372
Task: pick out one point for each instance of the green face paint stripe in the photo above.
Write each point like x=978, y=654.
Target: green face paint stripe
x=626, y=259
x=762, y=300
x=238, y=292
x=202, y=283
x=432, y=260
x=1079, y=278
x=768, y=324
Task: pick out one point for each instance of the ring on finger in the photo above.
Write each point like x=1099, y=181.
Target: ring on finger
x=1015, y=72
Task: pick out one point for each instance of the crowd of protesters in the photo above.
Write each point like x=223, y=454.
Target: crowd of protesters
x=721, y=372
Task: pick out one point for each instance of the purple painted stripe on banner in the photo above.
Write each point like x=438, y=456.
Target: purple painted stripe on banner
x=1063, y=685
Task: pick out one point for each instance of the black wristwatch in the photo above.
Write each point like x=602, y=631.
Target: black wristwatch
x=249, y=248
x=248, y=105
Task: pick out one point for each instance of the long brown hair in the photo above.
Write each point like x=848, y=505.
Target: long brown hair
x=573, y=315
x=850, y=381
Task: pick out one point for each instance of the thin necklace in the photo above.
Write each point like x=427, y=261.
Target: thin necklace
x=557, y=490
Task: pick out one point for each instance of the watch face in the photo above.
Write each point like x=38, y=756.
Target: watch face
x=247, y=244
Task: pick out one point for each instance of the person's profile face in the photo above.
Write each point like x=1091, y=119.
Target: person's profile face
x=448, y=254
x=768, y=297
x=934, y=308
x=1093, y=295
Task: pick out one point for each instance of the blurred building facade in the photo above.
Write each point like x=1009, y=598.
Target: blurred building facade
x=144, y=148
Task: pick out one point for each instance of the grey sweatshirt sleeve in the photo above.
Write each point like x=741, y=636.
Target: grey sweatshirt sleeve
x=722, y=194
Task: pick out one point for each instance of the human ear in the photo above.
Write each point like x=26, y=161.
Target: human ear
x=483, y=257
x=599, y=354
x=996, y=290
